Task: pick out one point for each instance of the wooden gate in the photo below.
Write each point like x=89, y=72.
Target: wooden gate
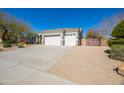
x=93, y=42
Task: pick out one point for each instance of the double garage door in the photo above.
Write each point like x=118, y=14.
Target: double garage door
x=53, y=40
x=69, y=40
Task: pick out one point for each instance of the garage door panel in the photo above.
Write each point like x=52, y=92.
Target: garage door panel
x=52, y=40
x=70, y=40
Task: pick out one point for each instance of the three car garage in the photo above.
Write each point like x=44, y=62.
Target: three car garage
x=69, y=39
x=66, y=37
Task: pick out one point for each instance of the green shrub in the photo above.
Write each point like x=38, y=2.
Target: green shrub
x=109, y=43
x=28, y=43
x=6, y=44
x=117, y=51
x=118, y=31
x=117, y=44
x=21, y=45
x=115, y=41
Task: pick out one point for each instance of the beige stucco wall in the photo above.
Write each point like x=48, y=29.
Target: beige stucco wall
x=83, y=42
x=104, y=42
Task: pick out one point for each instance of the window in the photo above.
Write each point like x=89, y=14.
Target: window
x=69, y=34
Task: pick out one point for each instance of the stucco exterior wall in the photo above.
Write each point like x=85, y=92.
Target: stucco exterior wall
x=104, y=42
x=62, y=38
x=83, y=42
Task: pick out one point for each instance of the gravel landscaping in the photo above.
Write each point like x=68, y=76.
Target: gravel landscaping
x=88, y=65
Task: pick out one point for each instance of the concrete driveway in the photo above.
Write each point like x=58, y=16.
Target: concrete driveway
x=29, y=65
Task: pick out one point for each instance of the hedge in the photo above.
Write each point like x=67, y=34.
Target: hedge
x=115, y=41
x=117, y=52
x=118, y=31
x=7, y=44
x=21, y=44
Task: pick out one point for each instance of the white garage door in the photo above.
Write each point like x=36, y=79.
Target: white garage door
x=52, y=40
x=70, y=39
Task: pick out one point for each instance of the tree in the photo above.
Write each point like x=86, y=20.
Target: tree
x=11, y=28
x=106, y=26
x=3, y=25
x=118, y=31
x=93, y=34
x=30, y=34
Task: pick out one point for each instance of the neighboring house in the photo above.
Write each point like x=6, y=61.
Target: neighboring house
x=23, y=39
x=65, y=37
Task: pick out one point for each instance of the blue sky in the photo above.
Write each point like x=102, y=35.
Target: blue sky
x=52, y=18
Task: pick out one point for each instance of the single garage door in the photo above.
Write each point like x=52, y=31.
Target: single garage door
x=70, y=39
x=52, y=40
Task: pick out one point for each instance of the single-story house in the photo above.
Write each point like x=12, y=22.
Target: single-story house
x=57, y=37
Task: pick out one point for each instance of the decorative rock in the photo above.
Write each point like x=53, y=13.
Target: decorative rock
x=121, y=69
x=25, y=45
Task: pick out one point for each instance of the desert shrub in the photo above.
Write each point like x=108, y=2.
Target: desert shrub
x=7, y=44
x=21, y=44
x=115, y=41
x=117, y=44
x=118, y=31
x=109, y=43
x=117, y=51
x=29, y=43
x=93, y=34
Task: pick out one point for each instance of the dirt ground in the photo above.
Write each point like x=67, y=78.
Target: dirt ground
x=88, y=65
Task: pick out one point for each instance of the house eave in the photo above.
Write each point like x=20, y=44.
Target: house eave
x=66, y=30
